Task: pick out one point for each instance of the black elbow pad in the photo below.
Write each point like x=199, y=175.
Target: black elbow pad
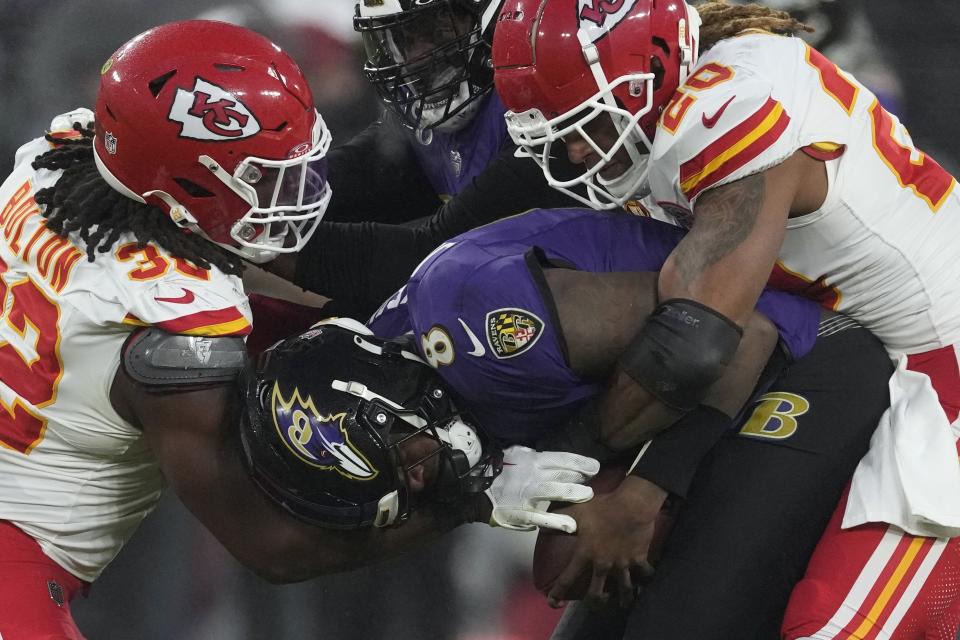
x=682, y=349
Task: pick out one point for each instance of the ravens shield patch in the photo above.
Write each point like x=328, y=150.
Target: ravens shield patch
x=510, y=332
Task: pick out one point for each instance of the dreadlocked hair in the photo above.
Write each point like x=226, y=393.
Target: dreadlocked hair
x=722, y=20
x=81, y=201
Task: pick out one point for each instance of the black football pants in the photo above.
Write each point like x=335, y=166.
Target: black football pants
x=759, y=502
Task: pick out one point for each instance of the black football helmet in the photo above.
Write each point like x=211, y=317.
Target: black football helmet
x=325, y=414
x=429, y=60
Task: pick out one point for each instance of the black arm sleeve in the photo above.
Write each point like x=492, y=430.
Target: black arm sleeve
x=671, y=460
x=362, y=264
x=358, y=264
x=508, y=186
x=376, y=177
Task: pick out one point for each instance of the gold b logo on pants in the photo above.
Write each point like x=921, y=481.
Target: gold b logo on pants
x=775, y=415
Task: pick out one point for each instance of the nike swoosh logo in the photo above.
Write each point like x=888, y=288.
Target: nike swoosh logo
x=478, y=349
x=186, y=298
x=711, y=122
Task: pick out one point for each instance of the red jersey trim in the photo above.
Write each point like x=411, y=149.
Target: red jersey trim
x=784, y=279
x=734, y=149
x=223, y=322
x=824, y=150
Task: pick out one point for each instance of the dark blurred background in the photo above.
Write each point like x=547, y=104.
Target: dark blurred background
x=51, y=52
x=173, y=581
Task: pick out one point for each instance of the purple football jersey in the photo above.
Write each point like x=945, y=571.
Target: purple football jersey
x=452, y=160
x=477, y=311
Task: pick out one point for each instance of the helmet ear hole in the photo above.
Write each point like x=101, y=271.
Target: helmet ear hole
x=660, y=42
x=658, y=70
x=192, y=188
x=156, y=85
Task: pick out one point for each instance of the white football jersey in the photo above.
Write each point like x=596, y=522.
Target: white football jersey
x=883, y=247
x=73, y=474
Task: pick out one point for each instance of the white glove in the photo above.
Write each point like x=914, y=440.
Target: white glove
x=531, y=480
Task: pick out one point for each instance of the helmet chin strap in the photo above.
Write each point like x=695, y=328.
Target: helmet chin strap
x=459, y=435
x=254, y=255
x=452, y=124
x=689, y=36
x=630, y=184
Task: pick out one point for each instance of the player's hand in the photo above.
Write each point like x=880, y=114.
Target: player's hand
x=613, y=540
x=521, y=495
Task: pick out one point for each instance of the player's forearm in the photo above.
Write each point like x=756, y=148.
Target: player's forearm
x=282, y=549
x=733, y=389
x=630, y=414
x=725, y=260
x=507, y=186
x=359, y=264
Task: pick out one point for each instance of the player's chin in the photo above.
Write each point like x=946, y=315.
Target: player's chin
x=612, y=171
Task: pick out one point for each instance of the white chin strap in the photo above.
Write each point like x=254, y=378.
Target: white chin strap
x=388, y=508
x=347, y=323
x=459, y=435
x=631, y=184
x=453, y=124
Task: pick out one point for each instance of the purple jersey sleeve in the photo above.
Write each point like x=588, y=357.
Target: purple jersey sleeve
x=495, y=340
x=480, y=314
x=392, y=319
x=796, y=319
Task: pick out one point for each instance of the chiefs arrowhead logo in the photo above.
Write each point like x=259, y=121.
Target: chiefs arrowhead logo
x=597, y=17
x=208, y=112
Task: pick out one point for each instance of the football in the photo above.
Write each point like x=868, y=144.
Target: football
x=554, y=549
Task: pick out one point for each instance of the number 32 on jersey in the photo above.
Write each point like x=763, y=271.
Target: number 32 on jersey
x=29, y=358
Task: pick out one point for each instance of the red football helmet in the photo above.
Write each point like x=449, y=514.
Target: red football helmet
x=558, y=64
x=215, y=124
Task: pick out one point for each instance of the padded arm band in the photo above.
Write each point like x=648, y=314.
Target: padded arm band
x=682, y=349
x=155, y=357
